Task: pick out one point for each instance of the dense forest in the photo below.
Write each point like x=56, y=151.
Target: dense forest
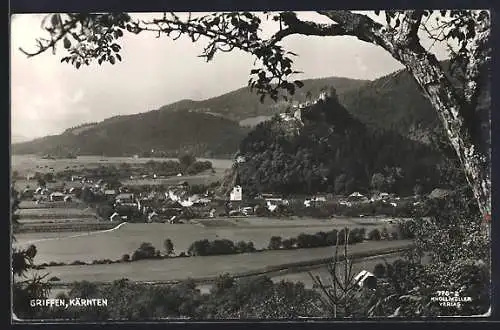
x=330, y=151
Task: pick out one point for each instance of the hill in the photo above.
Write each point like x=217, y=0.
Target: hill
x=168, y=133
x=323, y=148
x=16, y=138
x=242, y=104
x=207, y=128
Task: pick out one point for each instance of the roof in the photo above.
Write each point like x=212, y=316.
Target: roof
x=356, y=194
x=57, y=193
x=109, y=192
x=363, y=275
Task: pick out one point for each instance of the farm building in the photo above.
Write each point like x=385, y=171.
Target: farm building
x=75, y=190
x=110, y=193
x=28, y=193
x=57, y=197
x=125, y=198
x=356, y=197
x=365, y=279
x=67, y=199
x=314, y=201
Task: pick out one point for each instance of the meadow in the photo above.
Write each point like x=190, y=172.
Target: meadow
x=25, y=164
x=112, y=244
x=56, y=213
x=204, y=267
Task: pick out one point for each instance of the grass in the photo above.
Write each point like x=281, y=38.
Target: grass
x=205, y=179
x=197, y=267
x=55, y=212
x=304, y=277
x=113, y=244
x=25, y=164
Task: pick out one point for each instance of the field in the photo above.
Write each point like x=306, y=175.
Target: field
x=202, y=267
x=56, y=212
x=113, y=244
x=25, y=164
x=304, y=277
x=205, y=179
x=322, y=271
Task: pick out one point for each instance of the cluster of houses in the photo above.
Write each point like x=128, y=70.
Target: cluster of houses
x=172, y=204
x=155, y=206
x=43, y=194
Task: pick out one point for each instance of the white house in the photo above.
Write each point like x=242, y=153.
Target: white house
x=57, y=196
x=152, y=217
x=365, y=279
x=356, y=196
x=125, y=199
x=236, y=194
x=186, y=203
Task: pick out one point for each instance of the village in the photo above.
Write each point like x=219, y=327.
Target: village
x=181, y=202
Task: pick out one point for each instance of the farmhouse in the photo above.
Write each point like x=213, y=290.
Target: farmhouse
x=114, y=217
x=28, y=193
x=365, y=279
x=57, y=196
x=314, y=201
x=110, y=193
x=125, y=198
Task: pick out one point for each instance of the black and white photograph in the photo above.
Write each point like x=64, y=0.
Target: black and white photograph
x=281, y=165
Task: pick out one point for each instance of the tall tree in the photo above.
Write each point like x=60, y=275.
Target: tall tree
x=88, y=37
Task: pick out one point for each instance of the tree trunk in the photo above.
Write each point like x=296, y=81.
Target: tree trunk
x=452, y=112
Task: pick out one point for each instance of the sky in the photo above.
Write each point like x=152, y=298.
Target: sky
x=48, y=97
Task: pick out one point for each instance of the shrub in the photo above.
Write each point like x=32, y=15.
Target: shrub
x=54, y=279
x=287, y=244
x=275, y=243
x=379, y=270
x=331, y=238
x=374, y=235
x=125, y=257
x=78, y=262
x=169, y=246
